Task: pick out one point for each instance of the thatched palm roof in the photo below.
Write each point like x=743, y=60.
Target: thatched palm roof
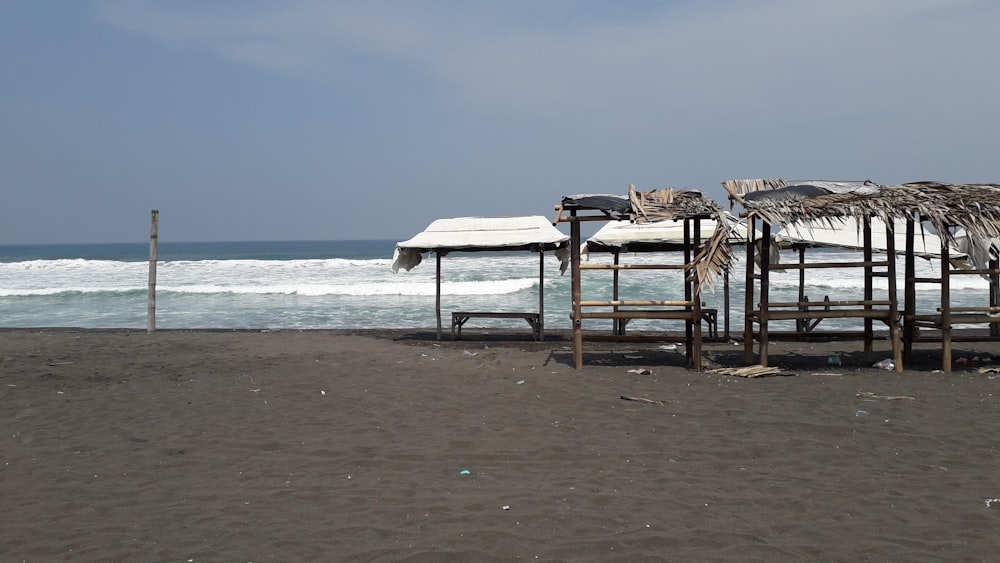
x=974, y=207
x=715, y=256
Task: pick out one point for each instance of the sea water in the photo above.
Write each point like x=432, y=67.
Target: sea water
x=349, y=284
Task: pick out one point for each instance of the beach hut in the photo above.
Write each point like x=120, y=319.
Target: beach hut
x=619, y=237
x=707, y=254
x=482, y=234
x=924, y=207
x=776, y=203
x=967, y=219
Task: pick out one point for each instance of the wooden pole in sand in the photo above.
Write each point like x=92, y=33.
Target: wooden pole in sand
x=890, y=251
x=765, y=270
x=869, y=353
x=154, y=229
x=437, y=301
x=910, y=290
x=576, y=292
x=748, y=294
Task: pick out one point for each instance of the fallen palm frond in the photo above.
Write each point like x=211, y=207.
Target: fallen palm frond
x=749, y=371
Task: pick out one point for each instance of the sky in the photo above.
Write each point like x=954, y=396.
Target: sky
x=327, y=120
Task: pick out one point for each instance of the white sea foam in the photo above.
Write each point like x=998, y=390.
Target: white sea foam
x=352, y=293
x=501, y=287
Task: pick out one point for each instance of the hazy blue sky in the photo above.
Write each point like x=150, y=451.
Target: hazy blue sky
x=310, y=119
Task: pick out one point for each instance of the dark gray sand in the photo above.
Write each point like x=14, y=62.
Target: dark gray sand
x=284, y=446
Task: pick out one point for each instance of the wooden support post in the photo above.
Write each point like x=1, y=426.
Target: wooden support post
x=437, y=278
x=748, y=294
x=541, y=294
x=576, y=292
x=696, y=297
x=801, y=325
x=994, y=294
x=910, y=291
x=945, y=307
x=765, y=267
x=869, y=353
x=890, y=248
x=688, y=292
x=725, y=297
x=618, y=327
x=154, y=235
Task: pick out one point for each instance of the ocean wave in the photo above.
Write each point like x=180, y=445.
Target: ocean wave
x=69, y=291
x=502, y=287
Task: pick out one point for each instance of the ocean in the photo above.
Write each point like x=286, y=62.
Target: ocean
x=349, y=285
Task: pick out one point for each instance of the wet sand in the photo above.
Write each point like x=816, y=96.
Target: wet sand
x=391, y=446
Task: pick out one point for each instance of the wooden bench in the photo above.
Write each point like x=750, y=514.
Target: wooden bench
x=623, y=316
x=459, y=318
x=958, y=315
x=807, y=314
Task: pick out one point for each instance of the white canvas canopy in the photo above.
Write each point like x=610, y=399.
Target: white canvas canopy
x=481, y=234
x=657, y=236
x=978, y=251
x=840, y=232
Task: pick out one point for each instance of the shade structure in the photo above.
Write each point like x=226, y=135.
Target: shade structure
x=705, y=258
x=483, y=234
x=619, y=237
x=822, y=209
x=948, y=209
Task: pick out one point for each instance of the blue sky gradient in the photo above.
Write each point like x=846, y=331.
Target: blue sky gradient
x=308, y=119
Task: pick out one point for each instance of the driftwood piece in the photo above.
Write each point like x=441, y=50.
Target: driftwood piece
x=749, y=371
x=642, y=400
x=868, y=395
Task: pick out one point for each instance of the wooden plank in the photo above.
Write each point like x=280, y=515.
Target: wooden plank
x=820, y=265
x=681, y=315
x=637, y=303
x=635, y=267
x=494, y=314
x=813, y=305
x=832, y=314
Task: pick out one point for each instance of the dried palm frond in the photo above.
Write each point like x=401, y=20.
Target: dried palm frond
x=715, y=257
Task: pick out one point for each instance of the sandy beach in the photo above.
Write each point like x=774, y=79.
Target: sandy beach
x=205, y=446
